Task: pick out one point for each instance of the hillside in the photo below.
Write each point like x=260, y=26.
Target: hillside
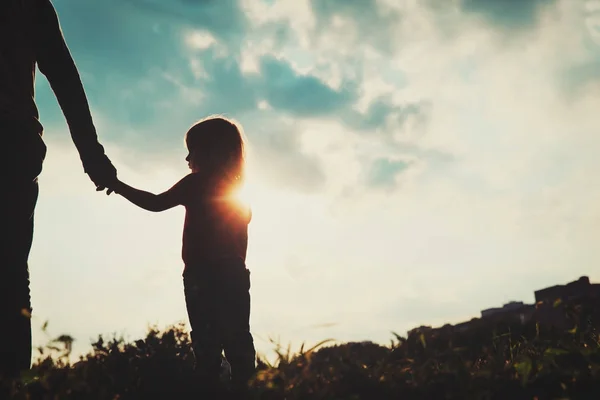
x=503, y=360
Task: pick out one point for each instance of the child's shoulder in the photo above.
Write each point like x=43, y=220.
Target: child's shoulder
x=197, y=179
x=200, y=183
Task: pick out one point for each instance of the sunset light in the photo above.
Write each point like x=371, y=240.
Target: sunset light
x=408, y=165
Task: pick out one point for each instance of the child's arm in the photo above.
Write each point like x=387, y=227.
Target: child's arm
x=150, y=201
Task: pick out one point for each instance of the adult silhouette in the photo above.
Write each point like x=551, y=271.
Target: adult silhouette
x=30, y=35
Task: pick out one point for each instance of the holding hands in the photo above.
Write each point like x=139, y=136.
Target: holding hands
x=102, y=172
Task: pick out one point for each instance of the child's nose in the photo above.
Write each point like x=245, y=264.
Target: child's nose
x=187, y=158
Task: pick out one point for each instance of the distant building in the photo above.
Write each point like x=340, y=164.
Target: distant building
x=572, y=290
x=542, y=312
x=549, y=315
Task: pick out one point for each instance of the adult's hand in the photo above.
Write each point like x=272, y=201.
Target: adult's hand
x=102, y=172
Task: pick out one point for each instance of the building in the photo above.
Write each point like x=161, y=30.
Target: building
x=572, y=290
x=542, y=312
x=550, y=316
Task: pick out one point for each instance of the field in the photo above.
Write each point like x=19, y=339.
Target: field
x=491, y=361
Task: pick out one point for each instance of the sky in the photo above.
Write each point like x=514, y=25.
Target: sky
x=410, y=162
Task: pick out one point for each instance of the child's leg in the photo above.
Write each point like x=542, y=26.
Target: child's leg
x=237, y=339
x=202, y=312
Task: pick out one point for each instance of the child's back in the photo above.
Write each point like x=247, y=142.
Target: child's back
x=216, y=223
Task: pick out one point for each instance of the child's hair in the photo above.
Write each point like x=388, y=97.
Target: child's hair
x=218, y=147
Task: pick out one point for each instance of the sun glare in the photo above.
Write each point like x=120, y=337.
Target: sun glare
x=244, y=194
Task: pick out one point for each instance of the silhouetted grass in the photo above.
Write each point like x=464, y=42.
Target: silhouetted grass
x=499, y=361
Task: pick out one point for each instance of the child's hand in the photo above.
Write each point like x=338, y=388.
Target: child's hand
x=112, y=187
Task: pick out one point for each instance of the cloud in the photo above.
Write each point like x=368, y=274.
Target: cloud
x=225, y=19
x=362, y=22
x=448, y=170
x=383, y=172
x=118, y=38
x=186, y=72
x=411, y=111
x=300, y=95
x=282, y=160
x=507, y=14
x=385, y=119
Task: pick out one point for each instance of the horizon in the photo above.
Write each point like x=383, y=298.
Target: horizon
x=271, y=354
x=411, y=175
x=498, y=307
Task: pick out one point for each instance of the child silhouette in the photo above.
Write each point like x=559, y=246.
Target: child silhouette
x=215, y=238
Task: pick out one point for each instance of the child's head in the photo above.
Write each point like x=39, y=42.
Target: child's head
x=216, y=147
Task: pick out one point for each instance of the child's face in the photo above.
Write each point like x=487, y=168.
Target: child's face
x=191, y=164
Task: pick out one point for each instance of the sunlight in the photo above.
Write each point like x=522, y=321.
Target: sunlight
x=245, y=194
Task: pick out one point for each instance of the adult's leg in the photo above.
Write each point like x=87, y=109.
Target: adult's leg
x=235, y=321
x=22, y=153
x=15, y=305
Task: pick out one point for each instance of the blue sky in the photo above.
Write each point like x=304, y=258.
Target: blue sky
x=411, y=162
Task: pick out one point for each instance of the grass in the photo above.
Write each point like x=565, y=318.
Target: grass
x=490, y=361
